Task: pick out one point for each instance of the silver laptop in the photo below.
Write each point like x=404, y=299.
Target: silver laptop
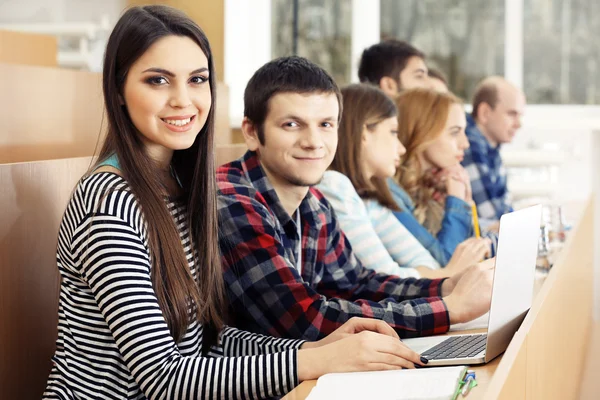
x=512, y=294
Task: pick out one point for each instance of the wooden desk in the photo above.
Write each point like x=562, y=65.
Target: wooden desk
x=484, y=376
x=545, y=358
x=590, y=385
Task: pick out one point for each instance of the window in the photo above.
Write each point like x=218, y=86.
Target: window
x=462, y=38
x=324, y=34
x=561, y=51
x=465, y=39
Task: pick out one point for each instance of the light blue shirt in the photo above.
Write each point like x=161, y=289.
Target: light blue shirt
x=378, y=239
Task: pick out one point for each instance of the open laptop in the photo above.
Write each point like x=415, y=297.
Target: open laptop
x=512, y=294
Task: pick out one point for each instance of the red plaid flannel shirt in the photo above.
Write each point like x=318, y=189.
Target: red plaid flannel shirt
x=267, y=295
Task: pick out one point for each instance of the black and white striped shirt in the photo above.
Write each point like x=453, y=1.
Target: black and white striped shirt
x=113, y=341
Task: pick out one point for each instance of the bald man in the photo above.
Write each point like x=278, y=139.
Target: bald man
x=498, y=107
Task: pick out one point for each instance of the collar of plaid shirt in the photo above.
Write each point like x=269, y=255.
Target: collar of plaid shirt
x=310, y=207
x=493, y=181
x=478, y=142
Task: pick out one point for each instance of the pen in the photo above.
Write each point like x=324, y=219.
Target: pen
x=469, y=382
x=467, y=386
x=475, y=220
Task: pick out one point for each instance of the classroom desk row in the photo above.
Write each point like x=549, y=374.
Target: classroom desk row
x=32, y=201
x=546, y=356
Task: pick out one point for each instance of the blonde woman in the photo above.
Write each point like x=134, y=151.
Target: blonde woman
x=430, y=182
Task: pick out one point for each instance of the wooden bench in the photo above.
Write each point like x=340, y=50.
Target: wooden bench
x=32, y=202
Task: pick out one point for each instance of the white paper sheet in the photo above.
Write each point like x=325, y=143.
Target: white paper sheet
x=408, y=384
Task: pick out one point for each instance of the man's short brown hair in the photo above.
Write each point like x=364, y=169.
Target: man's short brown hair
x=386, y=58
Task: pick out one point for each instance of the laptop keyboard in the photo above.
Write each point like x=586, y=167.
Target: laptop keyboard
x=457, y=347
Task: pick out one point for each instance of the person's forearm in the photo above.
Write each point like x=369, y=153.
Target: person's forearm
x=429, y=273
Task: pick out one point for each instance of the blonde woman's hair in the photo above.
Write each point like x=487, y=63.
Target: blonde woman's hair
x=422, y=116
x=364, y=106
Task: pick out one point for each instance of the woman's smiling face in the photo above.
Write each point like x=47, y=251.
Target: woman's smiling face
x=168, y=96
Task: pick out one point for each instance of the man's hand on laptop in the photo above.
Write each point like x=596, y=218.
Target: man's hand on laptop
x=468, y=294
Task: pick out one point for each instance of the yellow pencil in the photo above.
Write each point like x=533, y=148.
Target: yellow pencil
x=475, y=221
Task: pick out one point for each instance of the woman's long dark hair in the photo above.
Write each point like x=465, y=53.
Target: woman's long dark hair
x=364, y=105
x=175, y=287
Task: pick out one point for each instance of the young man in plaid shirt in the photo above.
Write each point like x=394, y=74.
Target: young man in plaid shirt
x=497, y=109
x=288, y=268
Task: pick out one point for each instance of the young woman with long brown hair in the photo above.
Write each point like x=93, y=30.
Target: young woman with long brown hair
x=356, y=185
x=142, y=304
